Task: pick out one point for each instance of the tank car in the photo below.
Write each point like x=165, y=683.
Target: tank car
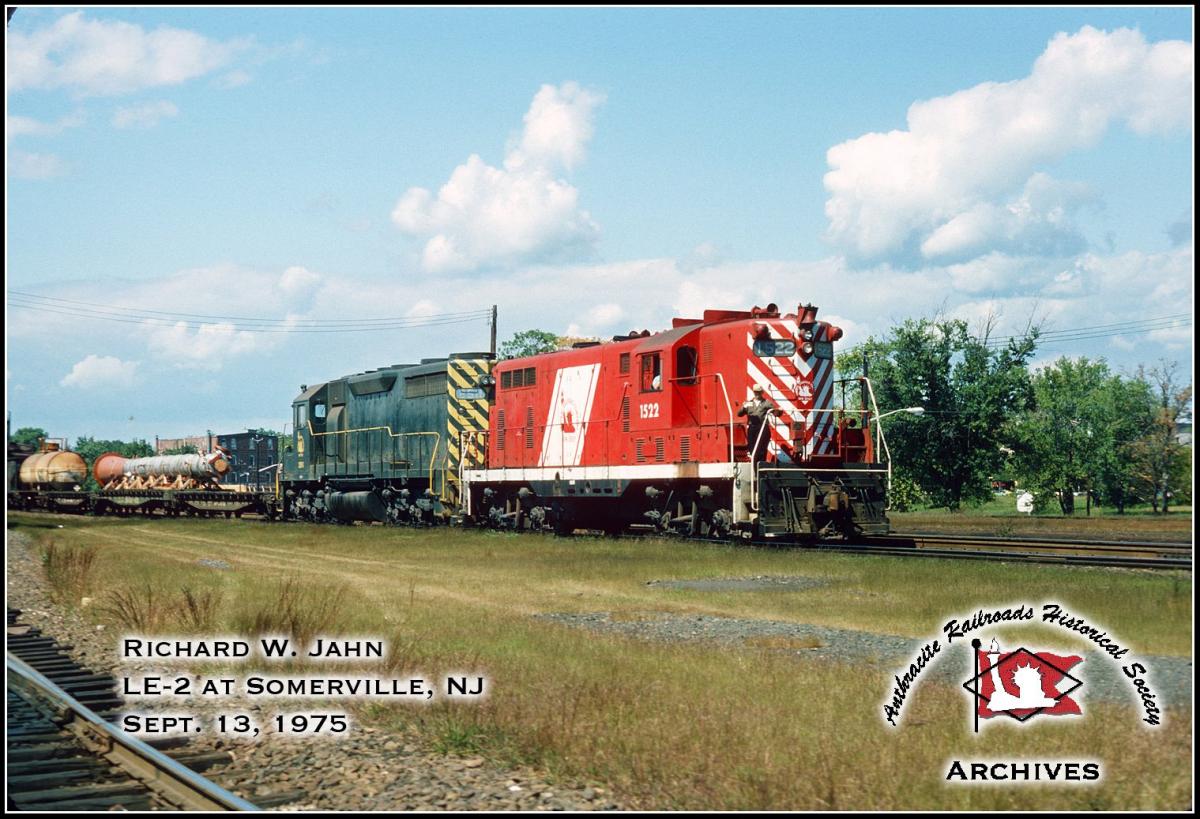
x=47, y=475
x=383, y=445
x=644, y=431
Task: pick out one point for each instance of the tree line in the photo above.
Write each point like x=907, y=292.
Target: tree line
x=1073, y=427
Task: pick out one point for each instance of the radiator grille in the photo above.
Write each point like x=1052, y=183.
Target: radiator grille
x=624, y=363
x=529, y=427
x=500, y=429
x=660, y=450
x=625, y=414
x=685, y=449
x=637, y=447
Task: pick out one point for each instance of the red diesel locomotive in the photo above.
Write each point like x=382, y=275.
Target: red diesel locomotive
x=645, y=430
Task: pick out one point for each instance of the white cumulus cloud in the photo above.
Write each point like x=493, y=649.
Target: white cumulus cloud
x=146, y=115
x=955, y=181
x=105, y=57
x=524, y=210
x=21, y=126
x=206, y=347
x=298, y=281
x=101, y=371
x=37, y=166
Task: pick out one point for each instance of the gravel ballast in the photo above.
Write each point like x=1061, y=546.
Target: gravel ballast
x=1103, y=681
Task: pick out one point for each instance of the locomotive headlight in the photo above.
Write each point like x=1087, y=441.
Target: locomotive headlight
x=807, y=348
x=808, y=334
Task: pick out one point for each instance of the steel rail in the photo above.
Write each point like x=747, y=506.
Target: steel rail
x=1137, y=554
x=1063, y=546
x=1058, y=558
x=167, y=779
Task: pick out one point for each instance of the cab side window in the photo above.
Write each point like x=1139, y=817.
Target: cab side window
x=686, y=366
x=651, y=372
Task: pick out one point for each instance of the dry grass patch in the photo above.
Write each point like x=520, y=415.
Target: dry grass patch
x=200, y=608
x=69, y=570
x=136, y=608
x=294, y=607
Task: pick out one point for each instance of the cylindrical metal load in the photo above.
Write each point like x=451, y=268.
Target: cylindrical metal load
x=58, y=468
x=113, y=465
x=350, y=506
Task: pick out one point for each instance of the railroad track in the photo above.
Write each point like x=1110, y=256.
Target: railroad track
x=64, y=754
x=1128, y=554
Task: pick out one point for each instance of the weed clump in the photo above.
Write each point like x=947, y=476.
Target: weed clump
x=199, y=609
x=295, y=608
x=69, y=570
x=138, y=609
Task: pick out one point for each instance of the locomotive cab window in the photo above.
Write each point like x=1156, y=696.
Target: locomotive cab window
x=774, y=347
x=651, y=372
x=685, y=366
x=319, y=412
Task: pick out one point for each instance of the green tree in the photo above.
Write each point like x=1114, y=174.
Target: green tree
x=1065, y=439
x=1129, y=407
x=970, y=389
x=1158, y=454
x=529, y=342
x=1181, y=478
x=28, y=435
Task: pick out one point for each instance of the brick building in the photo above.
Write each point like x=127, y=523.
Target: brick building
x=200, y=442
x=249, y=453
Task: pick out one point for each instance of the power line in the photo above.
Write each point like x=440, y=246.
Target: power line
x=34, y=301
x=1142, y=331
x=1097, y=326
x=282, y=327
x=1101, y=331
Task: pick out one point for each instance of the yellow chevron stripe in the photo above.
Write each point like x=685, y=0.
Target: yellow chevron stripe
x=468, y=368
x=477, y=412
x=473, y=411
x=454, y=429
x=460, y=379
x=465, y=419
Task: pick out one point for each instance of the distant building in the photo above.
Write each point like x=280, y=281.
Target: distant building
x=249, y=453
x=1183, y=434
x=200, y=442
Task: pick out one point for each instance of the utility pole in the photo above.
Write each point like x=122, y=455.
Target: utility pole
x=493, y=331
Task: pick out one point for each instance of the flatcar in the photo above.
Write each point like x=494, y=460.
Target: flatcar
x=48, y=476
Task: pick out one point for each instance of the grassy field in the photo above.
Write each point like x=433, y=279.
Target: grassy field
x=667, y=725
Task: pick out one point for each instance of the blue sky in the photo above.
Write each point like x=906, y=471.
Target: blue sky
x=589, y=171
